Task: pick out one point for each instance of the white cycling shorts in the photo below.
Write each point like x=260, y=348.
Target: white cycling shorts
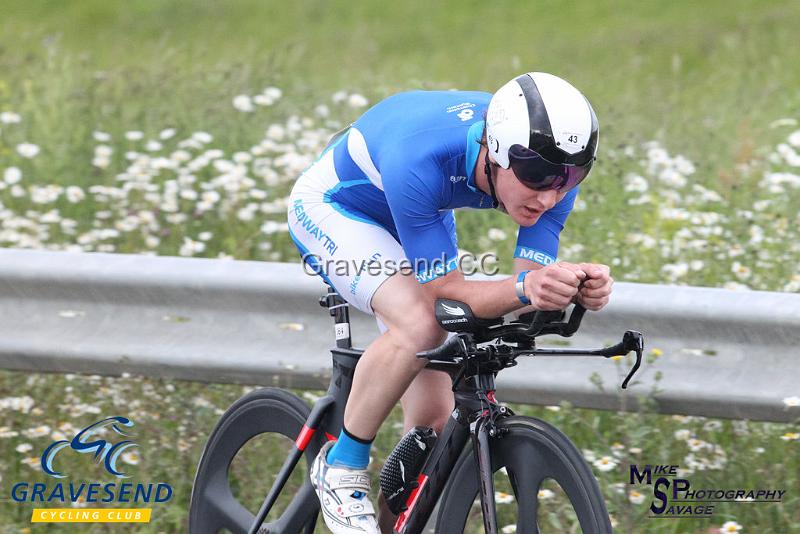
x=352, y=253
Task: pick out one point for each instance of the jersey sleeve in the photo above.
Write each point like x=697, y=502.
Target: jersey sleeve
x=427, y=237
x=539, y=242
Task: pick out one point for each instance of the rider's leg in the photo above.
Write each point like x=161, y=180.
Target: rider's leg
x=428, y=401
x=389, y=364
x=325, y=234
x=329, y=233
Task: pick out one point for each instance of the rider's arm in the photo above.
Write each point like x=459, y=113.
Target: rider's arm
x=537, y=247
x=431, y=248
x=426, y=234
x=521, y=264
x=428, y=240
x=486, y=298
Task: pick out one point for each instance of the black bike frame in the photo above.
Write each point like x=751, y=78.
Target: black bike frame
x=328, y=414
x=470, y=416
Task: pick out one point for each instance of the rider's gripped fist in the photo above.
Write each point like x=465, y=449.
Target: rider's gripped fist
x=553, y=287
x=596, y=289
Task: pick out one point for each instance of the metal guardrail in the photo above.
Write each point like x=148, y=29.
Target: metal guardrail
x=725, y=354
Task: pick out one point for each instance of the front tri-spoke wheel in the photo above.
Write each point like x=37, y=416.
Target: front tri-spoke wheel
x=240, y=462
x=542, y=485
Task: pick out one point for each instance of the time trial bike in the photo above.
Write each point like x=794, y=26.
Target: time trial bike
x=482, y=441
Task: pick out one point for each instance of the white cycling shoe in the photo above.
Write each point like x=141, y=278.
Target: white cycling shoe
x=343, y=496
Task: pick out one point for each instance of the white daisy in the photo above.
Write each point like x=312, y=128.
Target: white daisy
x=357, y=101
x=12, y=175
x=28, y=150
x=730, y=526
x=9, y=117
x=243, y=103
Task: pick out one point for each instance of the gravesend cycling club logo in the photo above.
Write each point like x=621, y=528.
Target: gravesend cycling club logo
x=103, y=450
x=105, y=441
x=677, y=498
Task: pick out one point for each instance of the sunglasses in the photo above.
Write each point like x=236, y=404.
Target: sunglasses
x=540, y=174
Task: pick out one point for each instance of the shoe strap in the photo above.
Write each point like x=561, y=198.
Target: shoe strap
x=354, y=508
x=357, y=481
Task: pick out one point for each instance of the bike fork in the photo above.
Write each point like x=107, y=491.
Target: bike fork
x=483, y=460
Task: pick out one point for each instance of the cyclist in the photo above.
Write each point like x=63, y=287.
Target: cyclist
x=382, y=195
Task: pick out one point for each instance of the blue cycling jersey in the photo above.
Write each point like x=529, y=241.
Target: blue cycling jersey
x=407, y=162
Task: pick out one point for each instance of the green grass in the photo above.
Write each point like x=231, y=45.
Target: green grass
x=706, y=81
x=174, y=418
x=704, y=77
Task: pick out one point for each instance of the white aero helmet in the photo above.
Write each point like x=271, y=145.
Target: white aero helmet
x=544, y=129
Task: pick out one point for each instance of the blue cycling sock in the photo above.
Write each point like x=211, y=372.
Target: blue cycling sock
x=350, y=451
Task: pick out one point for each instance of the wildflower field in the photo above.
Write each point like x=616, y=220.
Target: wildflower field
x=178, y=129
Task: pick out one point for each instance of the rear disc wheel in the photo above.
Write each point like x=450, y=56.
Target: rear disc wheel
x=228, y=490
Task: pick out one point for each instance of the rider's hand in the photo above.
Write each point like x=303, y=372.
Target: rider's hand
x=596, y=289
x=555, y=286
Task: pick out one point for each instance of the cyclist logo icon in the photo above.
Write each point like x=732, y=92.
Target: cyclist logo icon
x=465, y=114
x=84, y=443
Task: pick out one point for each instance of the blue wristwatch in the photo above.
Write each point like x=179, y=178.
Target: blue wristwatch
x=520, y=287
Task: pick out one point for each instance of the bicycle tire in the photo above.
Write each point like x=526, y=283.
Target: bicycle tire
x=531, y=451
x=213, y=506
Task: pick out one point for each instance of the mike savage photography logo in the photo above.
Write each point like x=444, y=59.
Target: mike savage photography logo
x=106, y=442
x=677, y=498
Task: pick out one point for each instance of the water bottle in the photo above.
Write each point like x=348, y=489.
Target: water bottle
x=400, y=472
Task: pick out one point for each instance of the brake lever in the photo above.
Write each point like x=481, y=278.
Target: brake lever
x=633, y=340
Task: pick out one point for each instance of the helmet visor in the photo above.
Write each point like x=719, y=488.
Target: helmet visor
x=539, y=174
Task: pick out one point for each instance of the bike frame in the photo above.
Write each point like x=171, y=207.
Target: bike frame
x=474, y=415
x=471, y=419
